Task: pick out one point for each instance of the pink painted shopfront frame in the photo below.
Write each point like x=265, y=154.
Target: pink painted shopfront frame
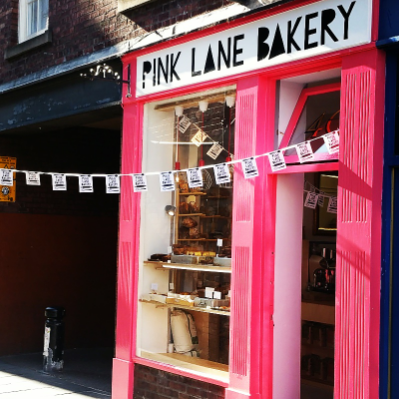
x=359, y=220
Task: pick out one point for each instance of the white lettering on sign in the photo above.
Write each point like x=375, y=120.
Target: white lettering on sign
x=315, y=29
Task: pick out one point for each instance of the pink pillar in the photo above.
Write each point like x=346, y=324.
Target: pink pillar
x=123, y=367
x=359, y=226
x=251, y=344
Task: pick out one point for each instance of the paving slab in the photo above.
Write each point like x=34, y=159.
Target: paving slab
x=87, y=374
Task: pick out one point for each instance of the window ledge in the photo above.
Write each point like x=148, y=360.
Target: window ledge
x=28, y=45
x=125, y=5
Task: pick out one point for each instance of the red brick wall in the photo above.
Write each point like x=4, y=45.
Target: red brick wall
x=151, y=383
x=81, y=27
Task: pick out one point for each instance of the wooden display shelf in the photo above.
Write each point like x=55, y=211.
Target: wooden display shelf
x=194, y=308
x=318, y=312
x=218, y=196
x=215, y=217
x=190, y=214
x=202, y=239
x=187, y=266
x=215, y=370
x=195, y=193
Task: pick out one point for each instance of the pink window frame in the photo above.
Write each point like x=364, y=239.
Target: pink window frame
x=299, y=107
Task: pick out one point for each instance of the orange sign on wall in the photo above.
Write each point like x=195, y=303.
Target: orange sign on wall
x=7, y=194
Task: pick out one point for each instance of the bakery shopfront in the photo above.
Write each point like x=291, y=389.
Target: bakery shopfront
x=249, y=254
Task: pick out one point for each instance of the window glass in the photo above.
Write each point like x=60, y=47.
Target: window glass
x=185, y=249
x=33, y=18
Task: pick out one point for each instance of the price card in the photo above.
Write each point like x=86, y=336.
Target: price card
x=311, y=200
x=276, y=159
x=194, y=177
x=332, y=142
x=304, y=151
x=112, y=184
x=6, y=177
x=166, y=180
x=219, y=242
x=59, y=182
x=215, y=151
x=86, y=184
x=140, y=182
x=249, y=167
x=199, y=137
x=217, y=295
x=32, y=178
x=209, y=292
x=184, y=124
x=222, y=173
x=332, y=205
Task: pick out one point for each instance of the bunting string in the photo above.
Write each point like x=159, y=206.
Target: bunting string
x=194, y=175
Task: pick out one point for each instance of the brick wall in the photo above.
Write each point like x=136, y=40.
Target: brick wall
x=151, y=383
x=81, y=27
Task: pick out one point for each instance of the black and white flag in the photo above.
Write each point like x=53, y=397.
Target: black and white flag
x=139, y=182
x=6, y=177
x=311, y=200
x=59, y=182
x=304, y=151
x=112, y=184
x=32, y=178
x=194, y=177
x=276, y=159
x=86, y=184
x=249, y=167
x=332, y=142
x=222, y=173
x=167, y=183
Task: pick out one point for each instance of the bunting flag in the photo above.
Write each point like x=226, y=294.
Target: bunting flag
x=194, y=175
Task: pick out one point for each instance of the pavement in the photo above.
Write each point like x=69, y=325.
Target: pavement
x=86, y=374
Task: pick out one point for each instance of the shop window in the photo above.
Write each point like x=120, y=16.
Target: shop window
x=185, y=250
x=315, y=114
x=33, y=18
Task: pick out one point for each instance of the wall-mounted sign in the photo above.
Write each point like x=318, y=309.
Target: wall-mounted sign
x=315, y=29
x=7, y=192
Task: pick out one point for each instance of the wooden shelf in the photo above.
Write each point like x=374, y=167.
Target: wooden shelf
x=218, y=196
x=207, y=367
x=186, y=266
x=194, y=308
x=215, y=217
x=190, y=214
x=202, y=239
x=317, y=312
x=196, y=193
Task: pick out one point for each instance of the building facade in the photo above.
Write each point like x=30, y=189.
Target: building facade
x=293, y=308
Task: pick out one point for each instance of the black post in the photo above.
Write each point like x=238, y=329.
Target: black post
x=54, y=332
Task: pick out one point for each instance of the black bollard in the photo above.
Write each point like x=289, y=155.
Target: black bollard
x=54, y=332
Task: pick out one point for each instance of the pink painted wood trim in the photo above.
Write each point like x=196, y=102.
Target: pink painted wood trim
x=359, y=227
x=129, y=239
x=308, y=168
x=122, y=384
x=174, y=370
x=293, y=159
x=305, y=94
x=251, y=339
